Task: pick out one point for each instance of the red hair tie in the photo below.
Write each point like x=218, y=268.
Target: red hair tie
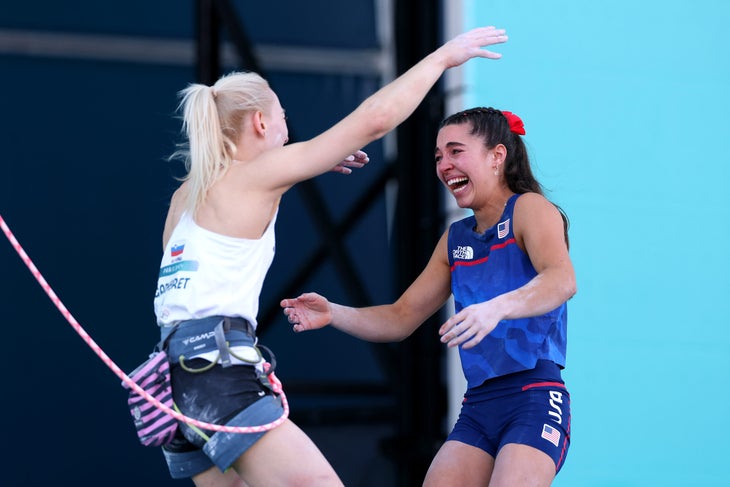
x=515, y=123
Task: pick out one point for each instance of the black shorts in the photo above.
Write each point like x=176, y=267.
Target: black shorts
x=232, y=396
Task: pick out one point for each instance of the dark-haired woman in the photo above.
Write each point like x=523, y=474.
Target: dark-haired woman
x=508, y=269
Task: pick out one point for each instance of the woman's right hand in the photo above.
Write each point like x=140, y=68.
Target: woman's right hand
x=309, y=311
x=470, y=44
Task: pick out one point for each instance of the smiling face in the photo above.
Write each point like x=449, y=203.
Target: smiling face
x=465, y=166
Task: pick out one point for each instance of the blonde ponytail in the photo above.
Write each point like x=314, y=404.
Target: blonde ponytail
x=212, y=123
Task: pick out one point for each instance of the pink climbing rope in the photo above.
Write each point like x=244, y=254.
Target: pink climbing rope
x=275, y=383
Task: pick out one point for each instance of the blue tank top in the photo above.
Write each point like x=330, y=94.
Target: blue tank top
x=484, y=266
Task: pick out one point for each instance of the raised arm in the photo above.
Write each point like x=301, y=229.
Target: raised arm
x=385, y=323
x=374, y=117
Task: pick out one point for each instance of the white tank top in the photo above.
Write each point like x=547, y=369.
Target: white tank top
x=207, y=274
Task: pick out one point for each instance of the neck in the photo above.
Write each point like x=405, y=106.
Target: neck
x=490, y=213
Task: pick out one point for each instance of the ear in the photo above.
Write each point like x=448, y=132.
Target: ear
x=499, y=153
x=258, y=123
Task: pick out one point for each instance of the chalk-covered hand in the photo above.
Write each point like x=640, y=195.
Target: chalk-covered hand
x=307, y=312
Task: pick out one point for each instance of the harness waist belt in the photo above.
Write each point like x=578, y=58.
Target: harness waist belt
x=216, y=333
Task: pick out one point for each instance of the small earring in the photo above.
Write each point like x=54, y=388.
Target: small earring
x=496, y=170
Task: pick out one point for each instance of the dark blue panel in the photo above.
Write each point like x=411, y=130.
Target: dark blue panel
x=330, y=23
x=158, y=18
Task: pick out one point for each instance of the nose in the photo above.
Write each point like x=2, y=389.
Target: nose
x=443, y=165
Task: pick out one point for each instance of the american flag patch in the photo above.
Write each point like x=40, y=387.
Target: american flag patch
x=503, y=228
x=550, y=434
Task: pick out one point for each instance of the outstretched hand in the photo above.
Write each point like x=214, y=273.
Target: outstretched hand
x=470, y=44
x=469, y=326
x=356, y=160
x=307, y=312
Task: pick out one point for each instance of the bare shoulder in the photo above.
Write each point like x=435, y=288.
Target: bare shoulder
x=527, y=201
x=441, y=252
x=177, y=206
x=536, y=218
x=531, y=207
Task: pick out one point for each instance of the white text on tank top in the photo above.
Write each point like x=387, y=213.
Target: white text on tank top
x=207, y=274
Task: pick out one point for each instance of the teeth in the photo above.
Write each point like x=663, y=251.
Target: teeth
x=457, y=184
x=454, y=181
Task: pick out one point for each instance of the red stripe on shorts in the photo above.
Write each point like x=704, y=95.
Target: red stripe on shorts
x=543, y=384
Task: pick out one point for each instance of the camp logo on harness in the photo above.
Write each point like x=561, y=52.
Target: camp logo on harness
x=197, y=338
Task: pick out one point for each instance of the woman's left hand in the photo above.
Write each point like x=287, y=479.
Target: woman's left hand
x=356, y=160
x=469, y=326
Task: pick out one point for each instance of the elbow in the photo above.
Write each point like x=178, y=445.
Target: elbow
x=391, y=336
x=379, y=120
x=571, y=288
x=378, y=126
x=403, y=335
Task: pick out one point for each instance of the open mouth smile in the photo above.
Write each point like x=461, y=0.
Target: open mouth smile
x=457, y=184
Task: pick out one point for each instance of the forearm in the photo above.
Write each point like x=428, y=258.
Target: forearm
x=373, y=323
x=542, y=294
x=393, y=103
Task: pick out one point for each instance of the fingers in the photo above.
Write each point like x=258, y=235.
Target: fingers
x=342, y=169
x=472, y=44
x=495, y=37
x=292, y=316
x=290, y=303
x=490, y=35
x=463, y=335
x=294, y=319
x=304, y=312
x=451, y=333
x=461, y=330
x=356, y=160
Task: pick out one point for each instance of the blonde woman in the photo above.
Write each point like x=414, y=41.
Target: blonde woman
x=218, y=245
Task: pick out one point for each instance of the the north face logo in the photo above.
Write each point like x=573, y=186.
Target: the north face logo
x=463, y=252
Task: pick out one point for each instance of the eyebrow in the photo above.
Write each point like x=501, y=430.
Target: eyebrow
x=450, y=144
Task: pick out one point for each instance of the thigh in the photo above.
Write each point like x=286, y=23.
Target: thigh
x=215, y=478
x=286, y=456
x=522, y=465
x=459, y=464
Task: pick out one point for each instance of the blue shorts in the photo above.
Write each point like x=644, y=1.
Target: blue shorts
x=233, y=396
x=528, y=408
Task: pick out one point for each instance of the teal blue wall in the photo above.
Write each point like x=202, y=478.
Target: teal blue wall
x=626, y=108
